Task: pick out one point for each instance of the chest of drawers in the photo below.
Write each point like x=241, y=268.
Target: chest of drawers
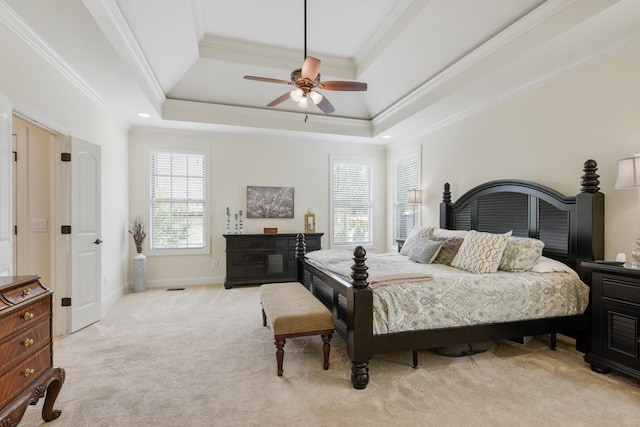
x=27, y=372
x=264, y=258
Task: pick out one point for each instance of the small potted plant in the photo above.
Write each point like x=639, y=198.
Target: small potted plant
x=138, y=233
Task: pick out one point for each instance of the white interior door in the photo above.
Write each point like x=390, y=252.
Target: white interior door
x=6, y=189
x=86, y=254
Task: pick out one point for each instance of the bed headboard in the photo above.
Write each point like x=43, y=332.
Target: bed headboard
x=572, y=228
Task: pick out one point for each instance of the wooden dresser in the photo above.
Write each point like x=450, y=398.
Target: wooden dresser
x=264, y=258
x=27, y=372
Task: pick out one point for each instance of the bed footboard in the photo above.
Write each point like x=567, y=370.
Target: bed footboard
x=350, y=303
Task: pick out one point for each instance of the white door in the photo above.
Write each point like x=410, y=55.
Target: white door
x=6, y=189
x=86, y=254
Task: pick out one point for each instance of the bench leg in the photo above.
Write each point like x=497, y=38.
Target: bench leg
x=264, y=318
x=326, y=348
x=280, y=353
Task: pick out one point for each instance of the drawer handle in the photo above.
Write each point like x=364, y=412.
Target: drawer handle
x=25, y=292
x=27, y=342
x=27, y=372
x=27, y=315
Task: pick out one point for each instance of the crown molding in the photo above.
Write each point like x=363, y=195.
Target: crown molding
x=112, y=23
x=201, y=112
x=12, y=21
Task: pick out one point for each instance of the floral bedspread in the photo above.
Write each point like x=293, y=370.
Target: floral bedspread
x=449, y=297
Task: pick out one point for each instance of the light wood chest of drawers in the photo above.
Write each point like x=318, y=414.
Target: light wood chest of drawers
x=27, y=372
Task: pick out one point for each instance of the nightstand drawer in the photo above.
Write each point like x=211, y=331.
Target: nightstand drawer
x=23, y=373
x=619, y=288
x=24, y=342
x=23, y=293
x=26, y=316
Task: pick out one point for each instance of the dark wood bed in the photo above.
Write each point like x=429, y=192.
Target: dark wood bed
x=572, y=228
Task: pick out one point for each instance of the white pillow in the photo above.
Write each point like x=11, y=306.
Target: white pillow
x=481, y=252
x=416, y=234
x=443, y=233
x=520, y=254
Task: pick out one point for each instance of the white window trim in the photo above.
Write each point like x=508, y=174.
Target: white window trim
x=208, y=201
x=350, y=159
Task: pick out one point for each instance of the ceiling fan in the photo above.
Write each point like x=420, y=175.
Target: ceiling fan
x=307, y=81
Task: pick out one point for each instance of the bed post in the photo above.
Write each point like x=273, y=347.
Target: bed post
x=360, y=320
x=590, y=211
x=445, y=220
x=301, y=251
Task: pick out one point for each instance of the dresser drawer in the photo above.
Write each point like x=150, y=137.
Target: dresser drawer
x=24, y=293
x=25, y=316
x=246, y=257
x=256, y=243
x=621, y=288
x=23, y=373
x=24, y=342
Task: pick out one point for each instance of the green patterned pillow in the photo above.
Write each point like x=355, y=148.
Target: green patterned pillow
x=481, y=252
x=521, y=254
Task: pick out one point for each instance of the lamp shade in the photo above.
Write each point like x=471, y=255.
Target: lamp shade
x=628, y=173
x=414, y=196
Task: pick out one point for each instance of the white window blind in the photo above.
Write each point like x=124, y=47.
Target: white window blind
x=178, y=205
x=352, y=202
x=406, y=176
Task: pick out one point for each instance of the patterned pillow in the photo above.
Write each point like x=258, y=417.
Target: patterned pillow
x=521, y=254
x=425, y=251
x=448, y=250
x=416, y=234
x=481, y=252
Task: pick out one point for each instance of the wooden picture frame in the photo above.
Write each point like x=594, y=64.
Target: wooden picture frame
x=309, y=222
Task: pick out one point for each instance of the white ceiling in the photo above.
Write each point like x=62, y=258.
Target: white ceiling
x=426, y=62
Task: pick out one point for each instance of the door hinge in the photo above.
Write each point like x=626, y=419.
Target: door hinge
x=15, y=156
x=65, y=157
x=65, y=229
x=66, y=302
x=15, y=230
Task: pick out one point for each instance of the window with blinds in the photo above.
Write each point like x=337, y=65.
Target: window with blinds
x=406, y=176
x=178, y=200
x=351, y=201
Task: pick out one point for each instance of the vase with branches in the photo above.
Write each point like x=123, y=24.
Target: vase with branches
x=137, y=231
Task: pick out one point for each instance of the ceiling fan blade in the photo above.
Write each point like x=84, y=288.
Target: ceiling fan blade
x=267, y=79
x=310, y=68
x=348, y=86
x=326, y=106
x=279, y=99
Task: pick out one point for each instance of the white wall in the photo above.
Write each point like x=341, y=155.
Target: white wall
x=236, y=162
x=37, y=90
x=545, y=135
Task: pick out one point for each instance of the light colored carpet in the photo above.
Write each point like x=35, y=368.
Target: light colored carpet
x=201, y=357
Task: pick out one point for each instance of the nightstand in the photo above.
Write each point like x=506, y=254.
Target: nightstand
x=615, y=319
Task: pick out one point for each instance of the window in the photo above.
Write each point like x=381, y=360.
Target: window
x=178, y=200
x=406, y=176
x=351, y=202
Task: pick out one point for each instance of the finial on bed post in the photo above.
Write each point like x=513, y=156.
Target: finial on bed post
x=446, y=195
x=590, y=180
x=359, y=269
x=301, y=246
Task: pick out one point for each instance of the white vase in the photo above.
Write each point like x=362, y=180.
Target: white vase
x=139, y=273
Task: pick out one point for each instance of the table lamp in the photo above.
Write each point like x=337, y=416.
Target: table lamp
x=629, y=177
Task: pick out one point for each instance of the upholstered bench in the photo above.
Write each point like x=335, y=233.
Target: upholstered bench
x=293, y=311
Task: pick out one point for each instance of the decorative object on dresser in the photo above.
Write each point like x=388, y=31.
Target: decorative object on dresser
x=309, y=222
x=27, y=372
x=615, y=318
x=629, y=177
x=264, y=258
x=571, y=228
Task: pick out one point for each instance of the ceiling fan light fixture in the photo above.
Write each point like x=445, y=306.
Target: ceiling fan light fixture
x=304, y=102
x=296, y=94
x=316, y=97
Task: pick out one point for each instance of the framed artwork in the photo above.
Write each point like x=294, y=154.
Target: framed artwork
x=269, y=202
